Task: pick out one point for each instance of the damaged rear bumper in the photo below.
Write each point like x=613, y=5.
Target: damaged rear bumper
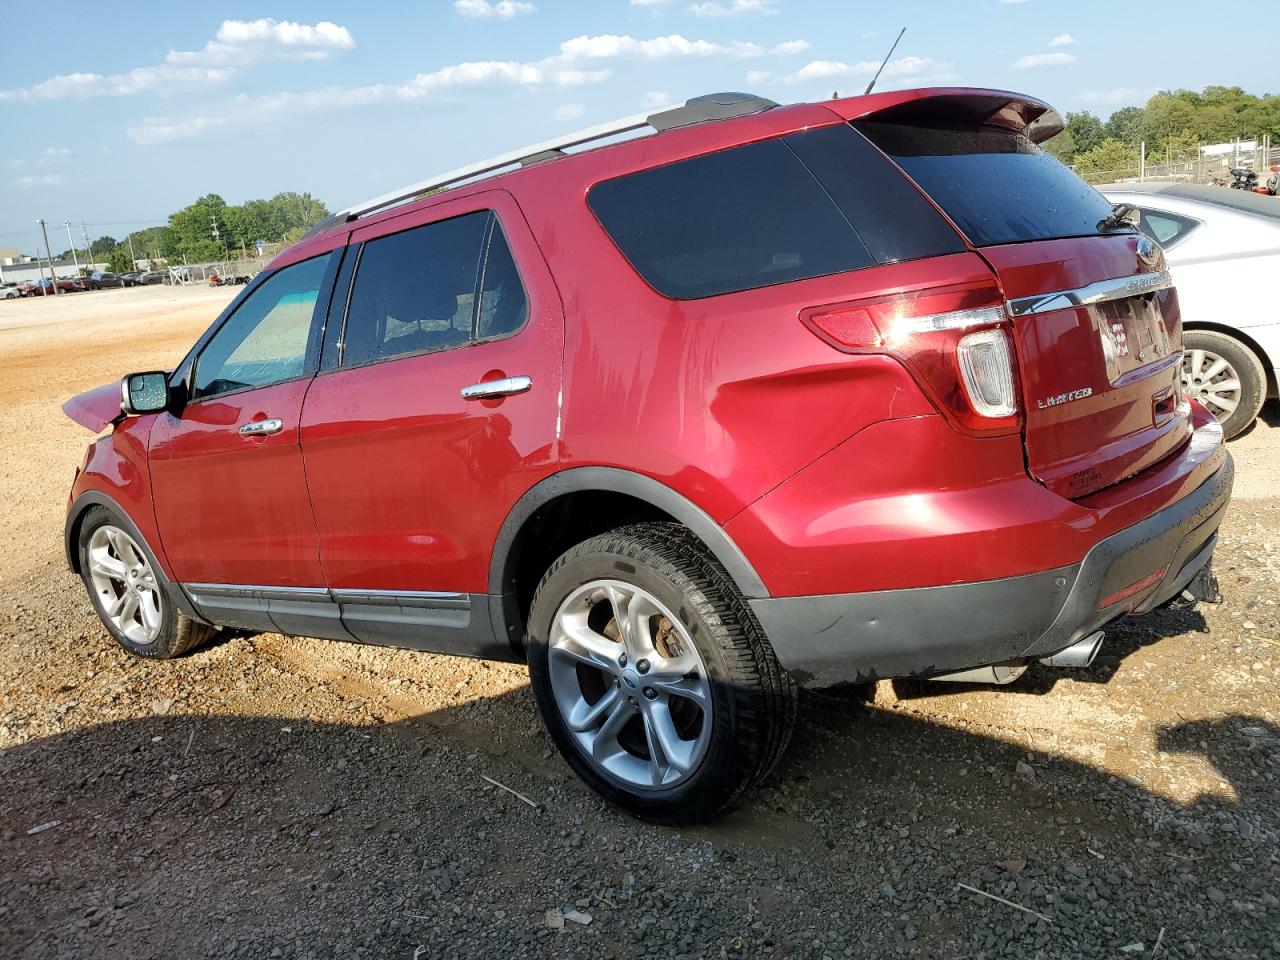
x=854, y=637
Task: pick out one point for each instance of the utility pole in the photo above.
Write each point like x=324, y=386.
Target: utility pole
x=74, y=258
x=48, y=252
x=93, y=264
x=132, y=259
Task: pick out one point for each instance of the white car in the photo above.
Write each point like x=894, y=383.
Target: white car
x=9, y=293
x=1223, y=247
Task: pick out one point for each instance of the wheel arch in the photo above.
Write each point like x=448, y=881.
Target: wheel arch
x=71, y=541
x=626, y=497
x=1269, y=365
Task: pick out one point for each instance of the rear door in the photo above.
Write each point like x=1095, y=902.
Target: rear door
x=1096, y=326
x=415, y=450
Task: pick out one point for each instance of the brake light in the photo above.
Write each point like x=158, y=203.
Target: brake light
x=953, y=339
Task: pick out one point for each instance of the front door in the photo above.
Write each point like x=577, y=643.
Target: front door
x=437, y=411
x=229, y=489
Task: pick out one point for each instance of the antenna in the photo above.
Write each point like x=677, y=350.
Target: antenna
x=885, y=63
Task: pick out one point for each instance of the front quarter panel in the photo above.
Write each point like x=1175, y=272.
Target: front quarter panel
x=116, y=471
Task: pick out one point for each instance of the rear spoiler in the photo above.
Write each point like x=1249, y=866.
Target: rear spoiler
x=1015, y=111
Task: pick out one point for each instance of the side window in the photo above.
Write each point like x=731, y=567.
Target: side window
x=431, y=288
x=1165, y=228
x=503, y=304
x=265, y=340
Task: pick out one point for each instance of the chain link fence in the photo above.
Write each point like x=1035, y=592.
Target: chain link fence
x=1193, y=167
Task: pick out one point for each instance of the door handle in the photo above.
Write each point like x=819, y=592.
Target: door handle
x=489, y=389
x=261, y=428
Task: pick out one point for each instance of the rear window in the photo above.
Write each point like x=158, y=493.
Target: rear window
x=996, y=184
x=806, y=205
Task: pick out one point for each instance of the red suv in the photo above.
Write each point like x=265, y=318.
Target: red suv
x=771, y=397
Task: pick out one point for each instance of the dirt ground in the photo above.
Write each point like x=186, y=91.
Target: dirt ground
x=276, y=797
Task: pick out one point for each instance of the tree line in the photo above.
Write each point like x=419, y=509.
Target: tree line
x=212, y=229
x=1173, y=124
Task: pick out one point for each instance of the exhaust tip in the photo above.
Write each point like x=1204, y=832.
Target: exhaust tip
x=1079, y=655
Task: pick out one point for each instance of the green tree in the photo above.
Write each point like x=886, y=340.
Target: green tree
x=1109, y=161
x=1085, y=129
x=194, y=226
x=1061, y=145
x=118, y=261
x=102, y=247
x=1125, y=124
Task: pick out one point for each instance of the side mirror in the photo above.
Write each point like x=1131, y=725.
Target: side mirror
x=144, y=392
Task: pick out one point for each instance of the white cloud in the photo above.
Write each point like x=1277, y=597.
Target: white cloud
x=735, y=8
x=54, y=153
x=238, y=43
x=759, y=76
x=1043, y=60
x=40, y=180
x=1013, y=1
x=16, y=162
x=789, y=47
x=903, y=67
x=485, y=10
x=1062, y=40
x=650, y=3
x=1122, y=95
x=610, y=46
x=654, y=99
x=569, y=111
x=580, y=60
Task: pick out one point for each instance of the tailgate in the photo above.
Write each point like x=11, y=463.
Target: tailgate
x=1097, y=336
x=1099, y=349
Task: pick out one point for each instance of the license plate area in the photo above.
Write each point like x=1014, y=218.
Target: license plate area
x=1133, y=334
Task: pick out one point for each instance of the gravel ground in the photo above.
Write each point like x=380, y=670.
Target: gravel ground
x=277, y=797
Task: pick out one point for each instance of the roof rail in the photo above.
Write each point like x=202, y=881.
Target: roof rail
x=714, y=106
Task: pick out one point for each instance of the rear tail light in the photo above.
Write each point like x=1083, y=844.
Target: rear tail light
x=987, y=371
x=953, y=339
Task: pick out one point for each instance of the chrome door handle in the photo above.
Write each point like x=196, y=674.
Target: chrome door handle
x=497, y=388
x=261, y=428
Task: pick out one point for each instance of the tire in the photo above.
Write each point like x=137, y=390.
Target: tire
x=714, y=699
x=1203, y=351
x=155, y=629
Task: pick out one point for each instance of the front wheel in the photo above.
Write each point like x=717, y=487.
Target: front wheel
x=129, y=591
x=653, y=676
x=1224, y=375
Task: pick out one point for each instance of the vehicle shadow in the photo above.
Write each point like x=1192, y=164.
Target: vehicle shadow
x=268, y=836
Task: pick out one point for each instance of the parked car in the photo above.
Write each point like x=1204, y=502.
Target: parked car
x=152, y=276
x=44, y=286
x=685, y=422
x=101, y=281
x=1224, y=249
x=9, y=292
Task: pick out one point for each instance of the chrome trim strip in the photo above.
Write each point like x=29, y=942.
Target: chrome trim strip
x=408, y=598
x=258, y=592
x=1100, y=292
x=395, y=598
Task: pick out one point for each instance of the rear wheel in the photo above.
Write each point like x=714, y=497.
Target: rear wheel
x=129, y=591
x=653, y=676
x=1224, y=375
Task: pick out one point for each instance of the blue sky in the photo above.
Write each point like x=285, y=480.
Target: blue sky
x=117, y=120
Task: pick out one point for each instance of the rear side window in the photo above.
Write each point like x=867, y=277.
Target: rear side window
x=433, y=287
x=996, y=184
x=756, y=215
x=1165, y=228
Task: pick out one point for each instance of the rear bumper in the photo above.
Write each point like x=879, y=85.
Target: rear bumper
x=853, y=637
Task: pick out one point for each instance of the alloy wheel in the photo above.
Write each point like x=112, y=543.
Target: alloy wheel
x=125, y=585
x=1209, y=378
x=629, y=684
